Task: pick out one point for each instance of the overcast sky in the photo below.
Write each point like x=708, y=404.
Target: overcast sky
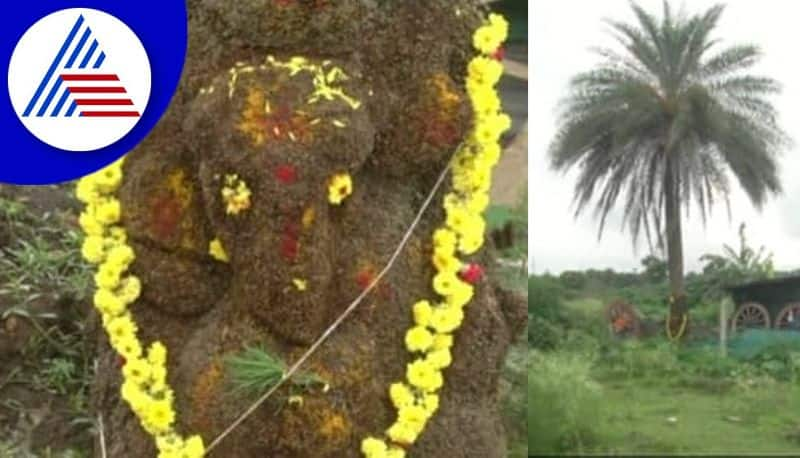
x=562, y=33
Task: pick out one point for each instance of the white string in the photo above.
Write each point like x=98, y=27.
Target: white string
x=294, y=368
x=102, y=431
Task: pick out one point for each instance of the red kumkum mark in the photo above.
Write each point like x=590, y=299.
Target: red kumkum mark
x=290, y=243
x=286, y=174
x=165, y=215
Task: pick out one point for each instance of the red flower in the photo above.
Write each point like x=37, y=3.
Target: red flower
x=472, y=273
x=286, y=173
x=500, y=53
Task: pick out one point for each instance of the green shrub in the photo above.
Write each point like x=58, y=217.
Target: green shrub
x=545, y=298
x=543, y=334
x=635, y=359
x=563, y=403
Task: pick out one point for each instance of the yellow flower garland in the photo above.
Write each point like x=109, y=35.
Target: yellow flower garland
x=145, y=387
x=416, y=398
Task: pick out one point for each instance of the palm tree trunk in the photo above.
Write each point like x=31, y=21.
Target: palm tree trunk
x=677, y=303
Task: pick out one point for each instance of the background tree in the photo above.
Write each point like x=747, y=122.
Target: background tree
x=664, y=121
x=735, y=266
x=655, y=269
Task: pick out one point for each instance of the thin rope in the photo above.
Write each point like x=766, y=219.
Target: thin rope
x=313, y=348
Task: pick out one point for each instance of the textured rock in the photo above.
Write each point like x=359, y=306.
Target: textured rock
x=405, y=62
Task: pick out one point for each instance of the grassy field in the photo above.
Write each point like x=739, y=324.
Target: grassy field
x=590, y=394
x=655, y=417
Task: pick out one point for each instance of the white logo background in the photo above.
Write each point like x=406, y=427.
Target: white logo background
x=34, y=54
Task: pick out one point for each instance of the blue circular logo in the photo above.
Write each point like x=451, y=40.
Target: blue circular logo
x=85, y=84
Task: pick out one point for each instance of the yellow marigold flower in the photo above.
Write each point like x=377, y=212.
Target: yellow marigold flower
x=430, y=402
x=136, y=370
x=108, y=212
x=120, y=255
x=108, y=275
x=440, y=359
x=461, y=295
x=117, y=236
x=128, y=348
x=129, y=289
x=500, y=122
x=444, y=238
x=217, y=251
x=446, y=319
x=418, y=338
x=500, y=24
x=157, y=354
x=485, y=99
x=486, y=133
x=86, y=191
x=90, y=225
x=444, y=282
x=133, y=394
x=485, y=71
x=108, y=179
x=422, y=313
x=478, y=202
x=412, y=414
x=121, y=327
x=402, y=433
x=445, y=261
x=395, y=452
x=373, y=448
x=194, y=447
x=93, y=249
x=108, y=303
x=340, y=187
x=401, y=395
x=158, y=382
x=490, y=36
x=470, y=244
x=490, y=154
x=486, y=40
x=159, y=416
x=168, y=443
x=424, y=376
x=457, y=219
x=442, y=341
x=235, y=194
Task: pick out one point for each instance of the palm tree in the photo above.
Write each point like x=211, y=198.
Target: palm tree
x=666, y=121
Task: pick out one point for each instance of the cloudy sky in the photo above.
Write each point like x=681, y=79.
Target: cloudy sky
x=561, y=35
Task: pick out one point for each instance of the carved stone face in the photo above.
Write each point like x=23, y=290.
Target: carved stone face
x=380, y=100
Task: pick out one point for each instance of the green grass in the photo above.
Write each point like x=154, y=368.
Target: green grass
x=635, y=419
x=44, y=284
